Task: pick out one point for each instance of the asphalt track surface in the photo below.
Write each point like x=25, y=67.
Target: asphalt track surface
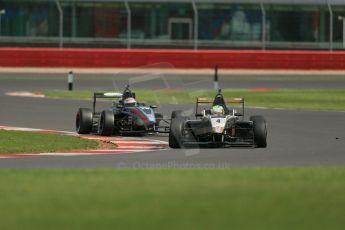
x=294, y=137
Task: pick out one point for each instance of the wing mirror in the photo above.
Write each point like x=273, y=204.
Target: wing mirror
x=153, y=106
x=238, y=114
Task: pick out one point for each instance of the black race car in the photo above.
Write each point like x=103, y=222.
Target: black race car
x=218, y=126
x=125, y=117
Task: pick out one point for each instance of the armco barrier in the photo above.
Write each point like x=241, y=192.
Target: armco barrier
x=123, y=58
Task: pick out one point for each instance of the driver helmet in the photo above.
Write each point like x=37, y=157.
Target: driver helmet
x=218, y=110
x=130, y=102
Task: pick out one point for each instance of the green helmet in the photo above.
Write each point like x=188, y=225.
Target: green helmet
x=217, y=109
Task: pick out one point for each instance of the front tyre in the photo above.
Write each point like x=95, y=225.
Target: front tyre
x=176, y=129
x=83, y=121
x=260, y=131
x=106, y=123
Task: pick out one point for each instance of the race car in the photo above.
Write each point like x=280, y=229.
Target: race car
x=217, y=126
x=125, y=117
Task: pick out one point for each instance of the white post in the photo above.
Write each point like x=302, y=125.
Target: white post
x=3, y=11
x=330, y=25
x=70, y=81
x=196, y=24
x=343, y=32
x=74, y=20
x=263, y=24
x=129, y=24
x=58, y=5
x=342, y=18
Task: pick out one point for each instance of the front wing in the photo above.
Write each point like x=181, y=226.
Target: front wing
x=241, y=136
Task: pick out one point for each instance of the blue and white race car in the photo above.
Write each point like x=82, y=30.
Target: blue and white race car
x=125, y=117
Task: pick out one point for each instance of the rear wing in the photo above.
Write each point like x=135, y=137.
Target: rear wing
x=208, y=100
x=111, y=95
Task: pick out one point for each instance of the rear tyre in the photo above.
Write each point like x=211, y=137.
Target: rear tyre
x=83, y=121
x=176, y=129
x=106, y=123
x=260, y=131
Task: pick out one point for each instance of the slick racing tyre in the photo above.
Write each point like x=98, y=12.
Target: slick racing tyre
x=106, y=123
x=176, y=129
x=83, y=121
x=260, y=131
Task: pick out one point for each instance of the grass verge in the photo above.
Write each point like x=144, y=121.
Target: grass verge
x=283, y=98
x=30, y=142
x=261, y=198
